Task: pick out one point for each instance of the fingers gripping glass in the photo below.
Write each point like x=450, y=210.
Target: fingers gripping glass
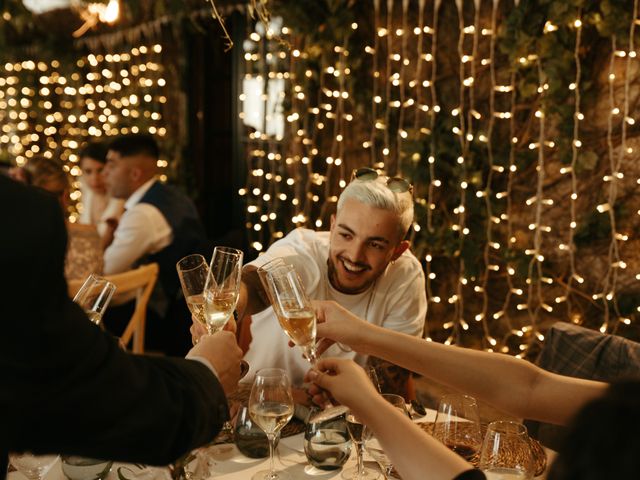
x=395, y=184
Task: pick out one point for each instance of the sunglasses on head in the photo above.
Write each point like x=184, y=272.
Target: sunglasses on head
x=395, y=184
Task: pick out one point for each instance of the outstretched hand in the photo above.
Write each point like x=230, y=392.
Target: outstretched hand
x=340, y=379
x=337, y=324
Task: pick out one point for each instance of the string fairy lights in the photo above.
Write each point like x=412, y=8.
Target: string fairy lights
x=414, y=121
x=95, y=96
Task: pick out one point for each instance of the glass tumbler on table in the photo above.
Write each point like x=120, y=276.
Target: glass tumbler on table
x=94, y=297
x=327, y=443
x=506, y=452
x=271, y=408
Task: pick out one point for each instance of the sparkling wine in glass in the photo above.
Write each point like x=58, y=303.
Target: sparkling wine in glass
x=193, y=271
x=34, y=467
x=293, y=308
x=222, y=287
x=94, y=297
x=457, y=425
x=271, y=408
x=506, y=452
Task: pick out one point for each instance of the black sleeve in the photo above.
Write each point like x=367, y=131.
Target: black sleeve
x=471, y=475
x=66, y=385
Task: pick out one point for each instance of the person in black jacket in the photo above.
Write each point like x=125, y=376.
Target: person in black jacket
x=67, y=387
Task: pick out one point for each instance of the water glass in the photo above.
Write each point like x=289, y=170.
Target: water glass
x=327, y=444
x=506, y=452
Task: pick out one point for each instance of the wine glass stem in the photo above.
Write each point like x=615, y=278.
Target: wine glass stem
x=360, y=461
x=272, y=471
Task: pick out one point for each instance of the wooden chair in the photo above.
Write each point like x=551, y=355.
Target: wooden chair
x=138, y=282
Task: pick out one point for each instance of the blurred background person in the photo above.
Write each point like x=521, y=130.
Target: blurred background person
x=99, y=208
x=84, y=251
x=160, y=224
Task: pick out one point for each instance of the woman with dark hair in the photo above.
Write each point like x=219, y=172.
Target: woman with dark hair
x=99, y=208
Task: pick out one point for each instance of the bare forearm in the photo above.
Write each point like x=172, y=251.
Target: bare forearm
x=252, y=298
x=411, y=450
x=515, y=386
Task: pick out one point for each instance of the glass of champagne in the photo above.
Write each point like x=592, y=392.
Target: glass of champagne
x=94, y=296
x=193, y=271
x=34, y=467
x=222, y=287
x=372, y=445
x=293, y=308
x=506, y=452
x=271, y=408
x=457, y=425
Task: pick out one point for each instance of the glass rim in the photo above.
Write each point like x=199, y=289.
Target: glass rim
x=462, y=396
x=228, y=250
x=507, y=426
x=271, y=372
x=192, y=255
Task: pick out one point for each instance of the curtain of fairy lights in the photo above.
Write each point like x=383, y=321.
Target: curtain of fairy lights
x=523, y=211
x=51, y=108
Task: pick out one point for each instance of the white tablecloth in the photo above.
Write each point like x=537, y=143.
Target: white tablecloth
x=225, y=462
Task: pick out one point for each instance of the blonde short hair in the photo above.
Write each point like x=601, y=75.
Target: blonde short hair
x=376, y=193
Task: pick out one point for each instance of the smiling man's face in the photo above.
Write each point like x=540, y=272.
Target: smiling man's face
x=363, y=241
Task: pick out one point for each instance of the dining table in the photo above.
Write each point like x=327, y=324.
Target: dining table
x=223, y=461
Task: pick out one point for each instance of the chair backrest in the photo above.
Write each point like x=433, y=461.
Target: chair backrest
x=139, y=282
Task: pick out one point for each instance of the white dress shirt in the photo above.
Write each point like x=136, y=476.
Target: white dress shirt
x=142, y=230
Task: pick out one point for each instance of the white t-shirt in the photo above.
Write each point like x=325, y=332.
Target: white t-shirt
x=397, y=300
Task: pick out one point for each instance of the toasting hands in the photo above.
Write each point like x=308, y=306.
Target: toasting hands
x=340, y=379
x=224, y=354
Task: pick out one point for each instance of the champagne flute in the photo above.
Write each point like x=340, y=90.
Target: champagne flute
x=222, y=287
x=457, y=425
x=372, y=444
x=94, y=296
x=506, y=452
x=293, y=308
x=34, y=467
x=193, y=271
x=271, y=408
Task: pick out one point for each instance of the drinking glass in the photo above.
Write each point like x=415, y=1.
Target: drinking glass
x=193, y=271
x=271, y=408
x=293, y=308
x=327, y=443
x=34, y=467
x=372, y=445
x=457, y=425
x=94, y=297
x=356, y=431
x=222, y=287
x=506, y=452
x=270, y=266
